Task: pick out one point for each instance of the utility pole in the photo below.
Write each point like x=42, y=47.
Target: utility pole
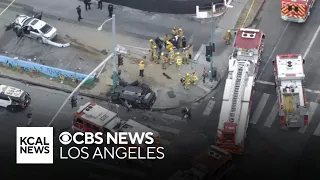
x=212, y=31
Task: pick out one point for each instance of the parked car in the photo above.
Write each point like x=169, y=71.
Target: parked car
x=33, y=28
x=134, y=95
x=13, y=98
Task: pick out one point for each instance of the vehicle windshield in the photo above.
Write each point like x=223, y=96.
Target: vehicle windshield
x=46, y=28
x=27, y=22
x=23, y=98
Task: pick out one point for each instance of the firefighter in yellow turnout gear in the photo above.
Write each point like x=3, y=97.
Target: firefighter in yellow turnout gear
x=178, y=61
x=194, y=78
x=185, y=56
x=151, y=49
x=155, y=54
x=171, y=56
x=228, y=37
x=163, y=60
x=187, y=81
x=169, y=45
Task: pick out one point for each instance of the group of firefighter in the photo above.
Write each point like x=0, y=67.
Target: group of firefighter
x=173, y=49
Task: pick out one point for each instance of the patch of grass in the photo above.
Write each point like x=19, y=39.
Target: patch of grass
x=246, y=19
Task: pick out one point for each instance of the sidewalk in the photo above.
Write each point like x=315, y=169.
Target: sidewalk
x=170, y=92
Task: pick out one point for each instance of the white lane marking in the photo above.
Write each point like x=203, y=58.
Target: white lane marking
x=259, y=109
x=162, y=128
x=272, y=115
x=312, y=108
x=165, y=142
x=317, y=131
x=173, y=117
x=209, y=108
x=7, y=7
x=274, y=49
x=272, y=84
x=311, y=42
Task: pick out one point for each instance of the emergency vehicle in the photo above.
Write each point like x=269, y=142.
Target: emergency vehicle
x=296, y=10
x=289, y=77
x=94, y=118
x=239, y=88
x=13, y=98
x=214, y=163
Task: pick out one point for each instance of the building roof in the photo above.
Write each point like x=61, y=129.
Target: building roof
x=10, y=91
x=248, y=38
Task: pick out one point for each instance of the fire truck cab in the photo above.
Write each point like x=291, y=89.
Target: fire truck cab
x=214, y=163
x=296, y=10
x=239, y=88
x=94, y=118
x=289, y=77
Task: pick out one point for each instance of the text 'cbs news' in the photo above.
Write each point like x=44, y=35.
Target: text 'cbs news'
x=35, y=145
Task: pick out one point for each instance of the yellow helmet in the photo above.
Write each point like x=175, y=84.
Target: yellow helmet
x=171, y=49
x=229, y=30
x=151, y=40
x=154, y=46
x=187, y=74
x=177, y=53
x=162, y=54
x=180, y=29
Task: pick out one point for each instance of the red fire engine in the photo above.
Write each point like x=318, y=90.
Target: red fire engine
x=94, y=118
x=296, y=10
x=289, y=77
x=238, y=92
x=214, y=163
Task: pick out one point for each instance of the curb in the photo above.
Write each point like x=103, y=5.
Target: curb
x=196, y=100
x=54, y=88
x=258, y=12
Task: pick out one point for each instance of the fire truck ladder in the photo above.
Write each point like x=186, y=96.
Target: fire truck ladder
x=238, y=85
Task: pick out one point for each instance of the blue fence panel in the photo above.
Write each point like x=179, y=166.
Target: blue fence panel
x=46, y=70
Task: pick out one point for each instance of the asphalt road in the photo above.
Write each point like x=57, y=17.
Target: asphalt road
x=165, y=6
x=180, y=139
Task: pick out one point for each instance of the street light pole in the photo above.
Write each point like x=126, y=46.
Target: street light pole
x=212, y=31
x=114, y=64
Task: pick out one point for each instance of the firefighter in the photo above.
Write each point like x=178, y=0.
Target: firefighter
x=187, y=81
x=183, y=42
x=185, y=56
x=163, y=60
x=171, y=56
x=178, y=61
x=180, y=36
x=228, y=37
x=165, y=38
x=141, y=68
x=194, y=78
x=169, y=45
x=151, y=49
x=174, y=32
x=155, y=54
x=180, y=32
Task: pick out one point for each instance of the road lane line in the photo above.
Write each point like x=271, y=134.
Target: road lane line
x=172, y=117
x=311, y=42
x=272, y=115
x=7, y=7
x=209, y=108
x=312, y=109
x=162, y=128
x=317, y=131
x=272, y=84
x=274, y=49
x=257, y=112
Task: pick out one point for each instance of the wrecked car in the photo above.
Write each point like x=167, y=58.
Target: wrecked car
x=33, y=27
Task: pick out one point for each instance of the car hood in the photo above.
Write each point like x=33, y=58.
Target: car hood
x=21, y=19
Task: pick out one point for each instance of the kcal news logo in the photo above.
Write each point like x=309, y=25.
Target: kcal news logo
x=34, y=145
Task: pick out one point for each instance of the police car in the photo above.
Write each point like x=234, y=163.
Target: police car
x=13, y=98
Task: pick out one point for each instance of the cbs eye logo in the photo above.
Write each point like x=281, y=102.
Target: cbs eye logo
x=65, y=138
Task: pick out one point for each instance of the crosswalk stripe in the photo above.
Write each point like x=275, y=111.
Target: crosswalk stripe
x=209, y=108
x=317, y=131
x=272, y=115
x=272, y=84
x=254, y=119
x=162, y=128
x=312, y=108
x=173, y=117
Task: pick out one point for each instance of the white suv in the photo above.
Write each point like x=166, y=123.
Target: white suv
x=13, y=98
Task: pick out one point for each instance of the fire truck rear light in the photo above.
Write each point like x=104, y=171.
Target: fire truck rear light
x=282, y=121
x=305, y=120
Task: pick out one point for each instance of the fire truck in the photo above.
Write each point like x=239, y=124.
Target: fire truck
x=239, y=89
x=296, y=10
x=94, y=118
x=289, y=77
x=214, y=163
